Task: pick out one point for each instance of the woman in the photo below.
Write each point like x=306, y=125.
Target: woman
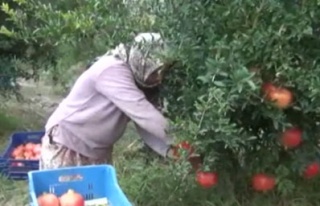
x=87, y=123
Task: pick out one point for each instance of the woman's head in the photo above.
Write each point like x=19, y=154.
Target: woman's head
x=145, y=57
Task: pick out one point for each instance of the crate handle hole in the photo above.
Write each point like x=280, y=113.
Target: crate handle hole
x=90, y=186
x=34, y=136
x=70, y=178
x=89, y=196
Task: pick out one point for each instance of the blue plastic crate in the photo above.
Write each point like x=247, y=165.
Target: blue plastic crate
x=92, y=182
x=8, y=166
x=3, y=165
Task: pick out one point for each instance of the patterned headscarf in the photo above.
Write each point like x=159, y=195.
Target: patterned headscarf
x=143, y=56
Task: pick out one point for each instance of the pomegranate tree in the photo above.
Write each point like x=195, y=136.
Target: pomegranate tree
x=246, y=92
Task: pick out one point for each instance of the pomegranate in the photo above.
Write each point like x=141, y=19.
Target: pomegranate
x=28, y=155
x=207, y=179
x=72, y=198
x=312, y=170
x=29, y=147
x=48, y=199
x=291, y=138
x=267, y=88
x=263, y=183
x=281, y=97
x=17, y=152
x=37, y=149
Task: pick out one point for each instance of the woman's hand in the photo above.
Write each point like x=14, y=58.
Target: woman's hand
x=172, y=154
x=195, y=160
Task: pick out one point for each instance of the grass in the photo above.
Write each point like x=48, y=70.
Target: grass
x=146, y=179
x=150, y=181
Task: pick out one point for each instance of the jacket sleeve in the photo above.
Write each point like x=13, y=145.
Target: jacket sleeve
x=157, y=144
x=117, y=84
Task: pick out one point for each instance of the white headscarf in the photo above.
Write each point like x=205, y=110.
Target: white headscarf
x=143, y=56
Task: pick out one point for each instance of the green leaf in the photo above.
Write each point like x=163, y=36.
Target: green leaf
x=5, y=31
x=219, y=83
